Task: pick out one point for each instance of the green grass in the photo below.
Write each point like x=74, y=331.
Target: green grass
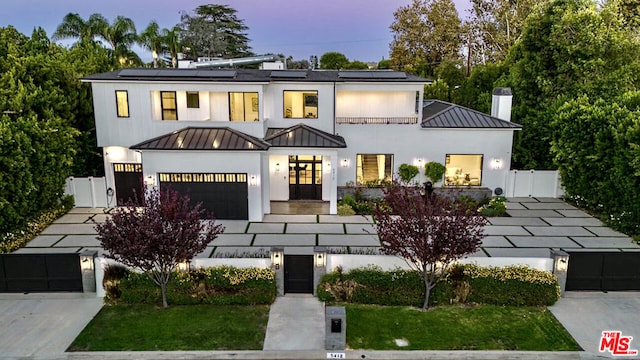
x=192, y=327
x=483, y=327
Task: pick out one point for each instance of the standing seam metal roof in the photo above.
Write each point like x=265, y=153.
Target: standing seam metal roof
x=302, y=135
x=441, y=114
x=196, y=138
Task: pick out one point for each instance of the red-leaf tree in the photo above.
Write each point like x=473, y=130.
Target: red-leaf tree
x=154, y=238
x=429, y=232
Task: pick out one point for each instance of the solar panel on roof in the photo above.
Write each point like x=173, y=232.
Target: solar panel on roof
x=138, y=72
x=288, y=74
x=372, y=75
x=216, y=73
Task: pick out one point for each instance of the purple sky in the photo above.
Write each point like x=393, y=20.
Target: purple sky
x=300, y=28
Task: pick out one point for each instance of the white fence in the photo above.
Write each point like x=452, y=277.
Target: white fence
x=534, y=183
x=87, y=192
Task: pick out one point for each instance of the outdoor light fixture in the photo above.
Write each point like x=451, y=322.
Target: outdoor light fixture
x=184, y=266
x=253, y=181
x=86, y=264
x=150, y=180
x=276, y=257
x=320, y=256
x=560, y=260
x=345, y=163
x=496, y=164
x=327, y=167
x=277, y=167
x=419, y=162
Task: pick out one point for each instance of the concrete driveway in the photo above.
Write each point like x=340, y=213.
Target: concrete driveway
x=587, y=314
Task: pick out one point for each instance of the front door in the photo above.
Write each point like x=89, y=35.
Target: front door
x=298, y=274
x=128, y=183
x=305, y=177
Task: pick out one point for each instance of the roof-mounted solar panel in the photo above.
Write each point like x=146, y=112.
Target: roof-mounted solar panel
x=138, y=72
x=227, y=74
x=288, y=74
x=376, y=74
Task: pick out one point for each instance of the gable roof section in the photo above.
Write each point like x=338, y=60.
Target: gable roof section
x=441, y=114
x=302, y=135
x=196, y=138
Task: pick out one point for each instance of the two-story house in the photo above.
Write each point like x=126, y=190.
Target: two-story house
x=238, y=139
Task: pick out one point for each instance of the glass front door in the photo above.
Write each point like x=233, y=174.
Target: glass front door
x=305, y=177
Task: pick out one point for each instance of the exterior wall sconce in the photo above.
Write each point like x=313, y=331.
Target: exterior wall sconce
x=87, y=270
x=276, y=257
x=184, y=266
x=86, y=260
x=496, y=164
x=320, y=256
x=560, y=267
x=150, y=180
x=345, y=163
x=253, y=180
x=277, y=167
x=327, y=167
x=419, y=162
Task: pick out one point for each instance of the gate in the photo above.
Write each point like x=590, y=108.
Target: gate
x=298, y=274
x=40, y=272
x=603, y=271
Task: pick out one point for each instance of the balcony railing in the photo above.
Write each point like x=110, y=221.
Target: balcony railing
x=377, y=120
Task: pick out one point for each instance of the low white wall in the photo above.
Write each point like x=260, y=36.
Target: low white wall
x=387, y=262
x=87, y=192
x=100, y=263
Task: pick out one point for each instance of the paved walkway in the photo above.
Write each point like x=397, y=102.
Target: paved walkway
x=296, y=322
x=534, y=227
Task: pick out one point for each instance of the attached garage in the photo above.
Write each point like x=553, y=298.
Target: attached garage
x=224, y=194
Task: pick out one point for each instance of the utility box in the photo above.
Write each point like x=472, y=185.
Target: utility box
x=335, y=318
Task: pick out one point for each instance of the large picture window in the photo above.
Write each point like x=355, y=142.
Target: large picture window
x=122, y=103
x=243, y=106
x=463, y=170
x=300, y=104
x=169, y=106
x=373, y=168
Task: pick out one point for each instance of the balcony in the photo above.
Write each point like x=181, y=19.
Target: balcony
x=377, y=120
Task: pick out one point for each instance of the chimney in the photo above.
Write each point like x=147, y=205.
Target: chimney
x=501, y=103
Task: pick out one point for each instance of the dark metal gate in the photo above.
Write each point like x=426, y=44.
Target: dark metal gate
x=298, y=274
x=40, y=272
x=603, y=271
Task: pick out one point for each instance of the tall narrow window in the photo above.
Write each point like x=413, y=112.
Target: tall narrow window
x=122, y=103
x=300, y=104
x=374, y=169
x=169, y=107
x=243, y=106
x=193, y=100
x=463, y=170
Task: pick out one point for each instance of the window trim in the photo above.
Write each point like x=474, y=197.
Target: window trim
x=175, y=102
x=317, y=95
x=192, y=94
x=244, y=113
x=126, y=99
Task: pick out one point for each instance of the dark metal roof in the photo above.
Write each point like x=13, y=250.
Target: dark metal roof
x=303, y=136
x=196, y=138
x=441, y=114
x=254, y=75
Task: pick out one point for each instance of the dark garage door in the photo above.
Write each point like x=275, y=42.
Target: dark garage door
x=603, y=271
x=128, y=179
x=226, y=195
x=298, y=274
x=40, y=272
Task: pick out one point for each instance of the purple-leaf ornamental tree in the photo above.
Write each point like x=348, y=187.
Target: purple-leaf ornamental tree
x=157, y=236
x=429, y=232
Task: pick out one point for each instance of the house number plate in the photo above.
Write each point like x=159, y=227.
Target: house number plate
x=335, y=356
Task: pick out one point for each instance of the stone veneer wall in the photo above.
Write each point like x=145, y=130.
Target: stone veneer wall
x=476, y=193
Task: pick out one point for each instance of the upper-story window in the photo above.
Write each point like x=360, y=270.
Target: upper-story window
x=193, y=100
x=243, y=106
x=168, y=105
x=122, y=103
x=300, y=104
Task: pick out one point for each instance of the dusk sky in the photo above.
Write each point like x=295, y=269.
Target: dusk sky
x=299, y=28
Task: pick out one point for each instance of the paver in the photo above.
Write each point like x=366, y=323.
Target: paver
x=285, y=240
x=516, y=221
x=79, y=240
x=522, y=200
x=558, y=231
x=550, y=206
x=533, y=213
x=354, y=219
x=549, y=200
x=99, y=218
x=206, y=253
x=77, y=210
x=44, y=240
x=66, y=229
x=573, y=221
x=368, y=229
x=543, y=241
x=232, y=240
x=73, y=219
x=348, y=240
x=514, y=206
x=266, y=228
x=604, y=231
x=290, y=219
x=609, y=242
x=496, y=241
x=504, y=230
x=233, y=226
x=296, y=228
x=573, y=213
x=47, y=250
x=517, y=252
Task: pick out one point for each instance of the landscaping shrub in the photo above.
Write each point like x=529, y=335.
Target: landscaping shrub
x=113, y=274
x=495, y=207
x=407, y=172
x=345, y=210
x=223, y=285
x=434, y=171
x=512, y=285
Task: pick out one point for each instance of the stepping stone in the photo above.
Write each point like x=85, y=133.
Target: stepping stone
x=516, y=221
x=558, y=231
x=232, y=240
x=514, y=206
x=79, y=240
x=573, y=213
x=505, y=230
x=48, y=250
x=348, y=240
x=543, y=241
x=496, y=241
x=69, y=229
x=285, y=240
x=233, y=226
x=549, y=206
x=74, y=219
x=573, y=221
x=266, y=228
x=315, y=229
x=44, y=240
x=290, y=218
x=604, y=231
x=355, y=219
x=368, y=229
x=606, y=242
x=522, y=200
x=533, y=213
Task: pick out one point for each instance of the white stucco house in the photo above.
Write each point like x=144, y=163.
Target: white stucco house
x=238, y=139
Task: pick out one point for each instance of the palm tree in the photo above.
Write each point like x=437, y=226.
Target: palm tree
x=73, y=26
x=151, y=40
x=120, y=35
x=171, y=40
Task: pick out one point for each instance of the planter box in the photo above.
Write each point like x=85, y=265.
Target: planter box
x=476, y=194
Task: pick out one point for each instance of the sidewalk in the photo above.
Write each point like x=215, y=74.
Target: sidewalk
x=296, y=322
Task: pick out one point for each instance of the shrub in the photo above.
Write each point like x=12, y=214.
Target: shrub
x=434, y=171
x=113, y=274
x=217, y=285
x=345, y=210
x=512, y=285
x=495, y=207
x=407, y=172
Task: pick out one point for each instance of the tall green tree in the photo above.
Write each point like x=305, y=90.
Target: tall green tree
x=121, y=36
x=214, y=31
x=73, y=26
x=171, y=40
x=333, y=60
x=425, y=33
x=151, y=39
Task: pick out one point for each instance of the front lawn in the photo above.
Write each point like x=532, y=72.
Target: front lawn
x=483, y=327
x=192, y=327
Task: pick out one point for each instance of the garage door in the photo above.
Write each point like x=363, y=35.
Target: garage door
x=128, y=179
x=226, y=195
x=603, y=271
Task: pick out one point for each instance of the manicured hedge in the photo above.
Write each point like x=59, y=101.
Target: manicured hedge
x=217, y=285
x=513, y=285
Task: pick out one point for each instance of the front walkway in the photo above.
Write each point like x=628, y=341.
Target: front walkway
x=296, y=322
x=534, y=227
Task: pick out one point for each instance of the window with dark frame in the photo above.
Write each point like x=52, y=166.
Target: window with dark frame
x=193, y=100
x=243, y=106
x=122, y=103
x=169, y=106
x=300, y=104
x=374, y=169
